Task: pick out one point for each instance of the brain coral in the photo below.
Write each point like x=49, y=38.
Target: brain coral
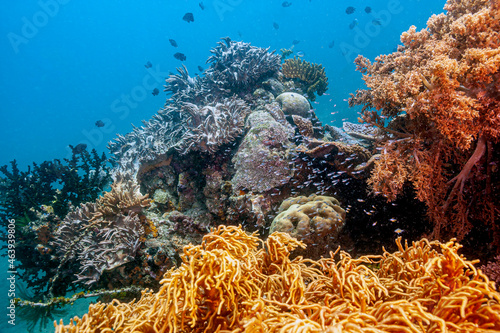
x=314, y=220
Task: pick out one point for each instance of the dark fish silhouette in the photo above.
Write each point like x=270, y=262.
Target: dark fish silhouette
x=148, y=64
x=377, y=22
x=173, y=42
x=353, y=24
x=79, y=148
x=202, y=6
x=332, y=43
x=350, y=10
x=286, y=4
x=276, y=25
x=295, y=42
x=180, y=56
x=99, y=123
x=368, y=10
x=200, y=68
x=155, y=92
x=188, y=17
x=240, y=34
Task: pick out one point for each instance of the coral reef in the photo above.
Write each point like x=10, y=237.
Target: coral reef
x=213, y=125
x=123, y=198
x=230, y=284
x=79, y=179
x=235, y=66
x=314, y=220
x=294, y=104
x=102, y=236
x=445, y=79
x=492, y=271
x=347, y=157
x=38, y=199
x=195, y=113
x=262, y=159
x=312, y=76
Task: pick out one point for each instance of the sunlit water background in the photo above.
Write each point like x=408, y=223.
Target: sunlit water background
x=66, y=64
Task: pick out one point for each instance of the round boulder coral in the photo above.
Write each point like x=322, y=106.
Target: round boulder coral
x=294, y=104
x=314, y=220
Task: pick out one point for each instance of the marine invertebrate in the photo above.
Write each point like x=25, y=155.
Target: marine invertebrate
x=149, y=144
x=312, y=76
x=38, y=198
x=313, y=220
x=186, y=117
x=304, y=125
x=492, y=271
x=294, y=104
x=235, y=66
x=125, y=197
x=349, y=157
x=363, y=131
x=230, y=284
x=213, y=125
x=112, y=245
x=445, y=79
x=262, y=159
x=79, y=179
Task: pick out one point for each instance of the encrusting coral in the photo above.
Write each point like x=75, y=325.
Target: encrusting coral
x=312, y=76
x=230, y=284
x=445, y=81
x=262, y=160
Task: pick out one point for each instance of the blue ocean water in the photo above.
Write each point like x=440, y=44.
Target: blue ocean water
x=66, y=64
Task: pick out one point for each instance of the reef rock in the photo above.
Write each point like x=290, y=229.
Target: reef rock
x=314, y=220
x=294, y=104
x=262, y=160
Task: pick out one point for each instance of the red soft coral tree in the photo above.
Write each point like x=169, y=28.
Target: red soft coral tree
x=438, y=100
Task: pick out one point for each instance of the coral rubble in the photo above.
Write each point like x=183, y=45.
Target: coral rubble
x=230, y=284
x=443, y=84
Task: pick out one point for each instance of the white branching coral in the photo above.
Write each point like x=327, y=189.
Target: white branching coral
x=213, y=125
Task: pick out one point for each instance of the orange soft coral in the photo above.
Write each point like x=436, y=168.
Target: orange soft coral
x=445, y=80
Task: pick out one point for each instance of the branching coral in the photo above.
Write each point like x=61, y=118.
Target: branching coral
x=446, y=79
x=311, y=75
x=237, y=65
x=229, y=284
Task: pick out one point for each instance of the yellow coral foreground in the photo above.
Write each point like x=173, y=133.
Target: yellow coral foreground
x=230, y=284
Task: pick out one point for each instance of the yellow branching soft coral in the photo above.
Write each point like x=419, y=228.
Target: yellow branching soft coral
x=230, y=284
